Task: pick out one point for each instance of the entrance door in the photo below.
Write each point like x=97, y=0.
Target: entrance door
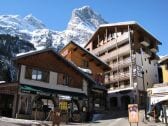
x=6, y=104
x=113, y=102
x=125, y=100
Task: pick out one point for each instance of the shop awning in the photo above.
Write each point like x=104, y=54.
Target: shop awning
x=29, y=88
x=46, y=91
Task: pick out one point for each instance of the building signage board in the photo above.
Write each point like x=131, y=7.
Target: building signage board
x=133, y=114
x=63, y=105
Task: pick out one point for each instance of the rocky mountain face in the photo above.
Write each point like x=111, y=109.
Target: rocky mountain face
x=30, y=33
x=9, y=47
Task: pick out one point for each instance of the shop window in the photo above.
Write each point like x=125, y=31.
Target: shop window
x=36, y=74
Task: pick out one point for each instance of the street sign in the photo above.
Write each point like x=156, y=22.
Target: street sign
x=133, y=114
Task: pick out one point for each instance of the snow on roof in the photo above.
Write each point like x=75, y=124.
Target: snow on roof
x=85, y=70
x=24, y=53
x=119, y=23
x=129, y=23
x=164, y=58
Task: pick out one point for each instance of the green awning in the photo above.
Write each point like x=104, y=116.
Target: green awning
x=46, y=91
x=29, y=88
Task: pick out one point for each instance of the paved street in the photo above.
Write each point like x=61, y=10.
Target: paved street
x=114, y=119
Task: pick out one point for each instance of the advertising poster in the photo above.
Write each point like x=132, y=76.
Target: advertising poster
x=133, y=115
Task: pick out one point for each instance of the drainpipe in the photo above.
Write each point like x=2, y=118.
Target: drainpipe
x=117, y=56
x=131, y=66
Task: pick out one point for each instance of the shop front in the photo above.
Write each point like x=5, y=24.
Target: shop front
x=36, y=103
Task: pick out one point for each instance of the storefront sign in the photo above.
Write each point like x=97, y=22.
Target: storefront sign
x=133, y=114
x=63, y=105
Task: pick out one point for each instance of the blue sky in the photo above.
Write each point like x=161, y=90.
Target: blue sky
x=55, y=14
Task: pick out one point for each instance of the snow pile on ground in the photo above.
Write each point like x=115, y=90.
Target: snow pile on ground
x=19, y=121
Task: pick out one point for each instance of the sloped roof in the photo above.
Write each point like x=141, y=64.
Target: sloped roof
x=163, y=60
x=87, y=77
x=105, y=65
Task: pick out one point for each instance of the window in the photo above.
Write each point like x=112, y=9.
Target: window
x=114, y=61
x=114, y=73
x=101, y=54
x=126, y=56
x=149, y=61
x=146, y=71
x=36, y=74
x=85, y=64
x=127, y=82
x=64, y=79
x=126, y=70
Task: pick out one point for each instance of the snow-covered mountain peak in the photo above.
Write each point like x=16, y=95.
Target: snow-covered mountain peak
x=31, y=20
x=85, y=16
x=84, y=21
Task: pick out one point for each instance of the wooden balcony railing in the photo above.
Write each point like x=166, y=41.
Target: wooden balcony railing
x=121, y=63
x=121, y=51
x=118, y=77
x=110, y=44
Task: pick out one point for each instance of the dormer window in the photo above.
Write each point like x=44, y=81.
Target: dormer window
x=37, y=74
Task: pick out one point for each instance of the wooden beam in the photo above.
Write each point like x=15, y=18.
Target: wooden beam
x=91, y=60
x=98, y=64
x=75, y=48
x=83, y=54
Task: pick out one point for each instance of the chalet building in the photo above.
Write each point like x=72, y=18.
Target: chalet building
x=43, y=78
x=86, y=61
x=130, y=51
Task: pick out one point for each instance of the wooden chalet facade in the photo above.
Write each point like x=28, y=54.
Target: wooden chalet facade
x=43, y=77
x=85, y=60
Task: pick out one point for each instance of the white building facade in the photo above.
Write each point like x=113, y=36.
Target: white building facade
x=130, y=51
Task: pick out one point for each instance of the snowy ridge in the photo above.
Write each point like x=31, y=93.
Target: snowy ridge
x=83, y=23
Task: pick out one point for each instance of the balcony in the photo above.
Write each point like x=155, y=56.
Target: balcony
x=121, y=64
x=110, y=44
x=113, y=54
x=118, y=89
x=120, y=77
x=145, y=43
x=154, y=49
x=121, y=86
